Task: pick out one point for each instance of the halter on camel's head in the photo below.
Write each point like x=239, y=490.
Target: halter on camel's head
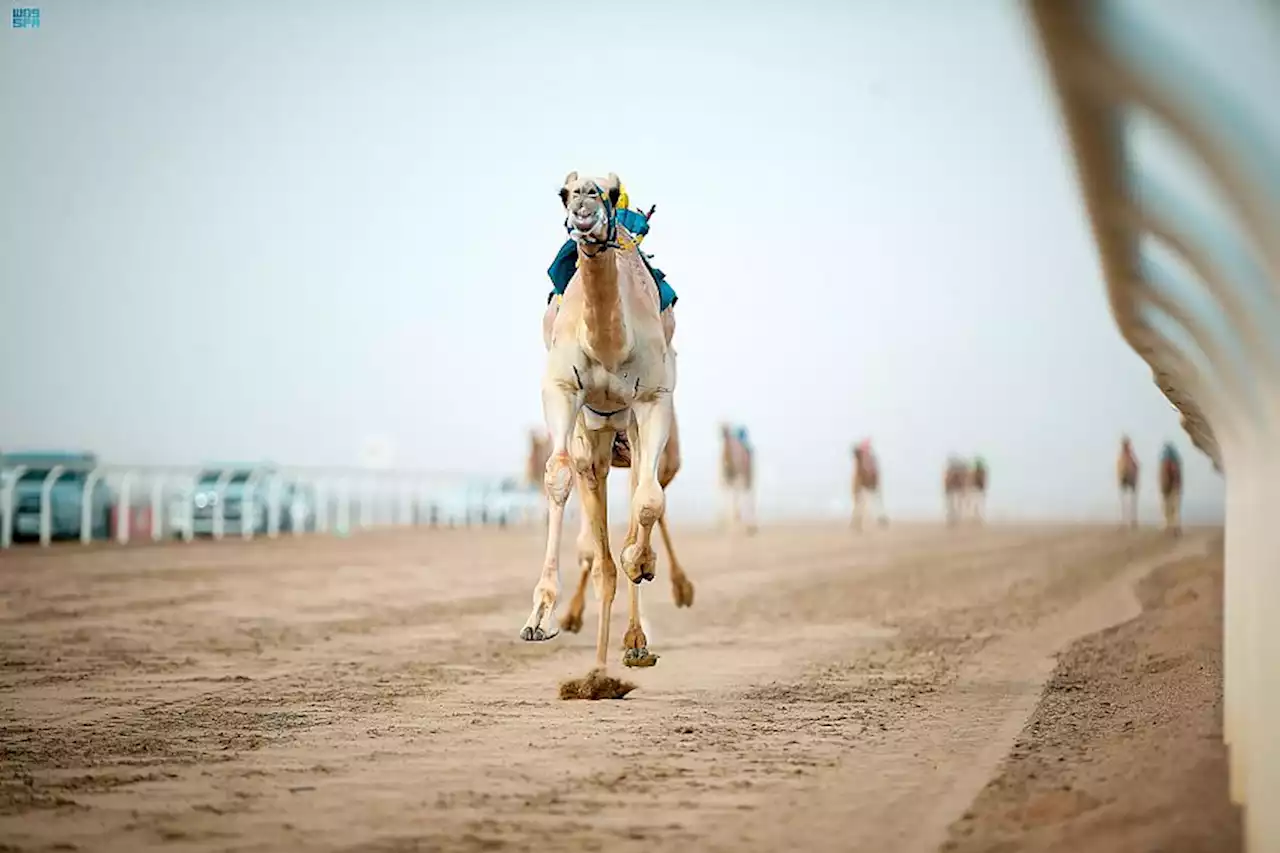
x=591, y=211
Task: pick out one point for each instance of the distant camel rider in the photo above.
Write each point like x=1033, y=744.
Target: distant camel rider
x=636, y=224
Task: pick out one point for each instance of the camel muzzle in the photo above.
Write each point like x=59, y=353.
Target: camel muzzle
x=584, y=224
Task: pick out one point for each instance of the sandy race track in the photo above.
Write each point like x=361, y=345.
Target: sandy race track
x=894, y=691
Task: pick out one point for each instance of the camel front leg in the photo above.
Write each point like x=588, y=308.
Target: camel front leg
x=1129, y=507
x=653, y=423
x=635, y=644
x=859, y=508
x=560, y=408
x=593, y=483
x=727, y=504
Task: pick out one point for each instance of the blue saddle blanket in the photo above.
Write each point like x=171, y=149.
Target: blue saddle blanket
x=566, y=263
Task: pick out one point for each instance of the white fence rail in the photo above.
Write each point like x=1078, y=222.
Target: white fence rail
x=129, y=503
x=1213, y=344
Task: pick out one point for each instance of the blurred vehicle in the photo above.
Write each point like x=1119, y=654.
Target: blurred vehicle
x=247, y=496
x=66, y=497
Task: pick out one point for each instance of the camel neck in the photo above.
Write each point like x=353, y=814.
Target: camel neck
x=606, y=335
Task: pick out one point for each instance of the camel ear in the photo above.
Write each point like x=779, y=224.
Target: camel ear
x=613, y=186
x=564, y=187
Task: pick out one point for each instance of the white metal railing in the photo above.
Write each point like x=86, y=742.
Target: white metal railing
x=156, y=502
x=1215, y=353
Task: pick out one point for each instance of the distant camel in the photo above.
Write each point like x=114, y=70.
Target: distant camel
x=1127, y=475
x=978, y=489
x=536, y=462
x=737, y=476
x=965, y=490
x=1171, y=488
x=955, y=483
x=866, y=484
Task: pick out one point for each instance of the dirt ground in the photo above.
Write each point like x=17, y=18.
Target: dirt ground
x=1124, y=751
x=891, y=691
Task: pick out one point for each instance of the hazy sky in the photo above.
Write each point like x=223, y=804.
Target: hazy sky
x=265, y=231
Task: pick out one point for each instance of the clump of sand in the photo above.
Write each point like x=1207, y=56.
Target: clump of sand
x=596, y=685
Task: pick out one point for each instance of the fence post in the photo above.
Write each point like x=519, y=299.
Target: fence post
x=187, y=494
x=124, y=509
x=7, y=513
x=158, y=525
x=46, y=503
x=219, y=500
x=86, y=507
x=344, y=507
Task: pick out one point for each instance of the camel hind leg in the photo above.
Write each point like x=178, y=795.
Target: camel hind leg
x=681, y=586
x=648, y=503
x=1173, y=511
x=882, y=517
x=635, y=641
x=572, y=620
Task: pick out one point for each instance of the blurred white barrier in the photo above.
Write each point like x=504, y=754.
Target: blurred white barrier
x=8, y=484
x=46, y=514
x=1127, y=87
x=128, y=503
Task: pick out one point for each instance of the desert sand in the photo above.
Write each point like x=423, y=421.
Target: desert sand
x=915, y=689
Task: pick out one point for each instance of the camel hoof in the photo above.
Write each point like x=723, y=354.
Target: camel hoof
x=638, y=563
x=572, y=622
x=536, y=635
x=639, y=657
x=682, y=593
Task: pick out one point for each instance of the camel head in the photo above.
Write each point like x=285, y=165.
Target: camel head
x=590, y=206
